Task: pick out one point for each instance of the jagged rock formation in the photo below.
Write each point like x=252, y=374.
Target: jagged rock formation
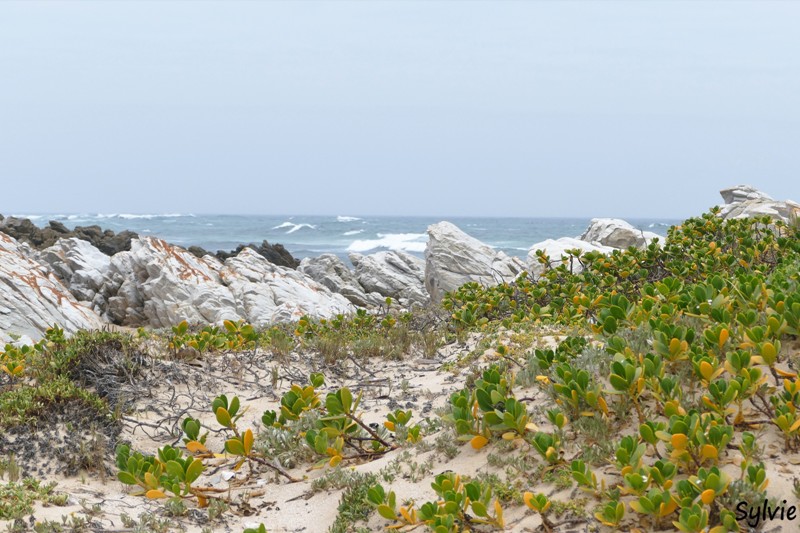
x=453, y=258
x=79, y=265
x=32, y=298
x=159, y=285
x=395, y=274
x=330, y=271
x=744, y=201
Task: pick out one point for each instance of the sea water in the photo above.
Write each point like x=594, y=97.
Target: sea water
x=309, y=236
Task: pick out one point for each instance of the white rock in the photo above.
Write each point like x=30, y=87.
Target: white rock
x=268, y=293
x=81, y=266
x=161, y=285
x=744, y=201
x=557, y=249
x=32, y=298
x=617, y=233
x=396, y=274
x=330, y=271
x=453, y=258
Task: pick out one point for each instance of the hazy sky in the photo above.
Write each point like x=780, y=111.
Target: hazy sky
x=403, y=108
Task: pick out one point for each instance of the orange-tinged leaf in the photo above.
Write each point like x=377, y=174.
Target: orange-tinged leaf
x=680, y=441
x=709, y=452
x=202, y=501
x=196, y=446
x=723, y=337
x=707, y=496
x=248, y=441
x=498, y=513
x=335, y=460
x=785, y=374
x=154, y=494
x=406, y=515
x=389, y=425
x=478, y=442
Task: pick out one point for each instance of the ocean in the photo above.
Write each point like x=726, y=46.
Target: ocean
x=310, y=236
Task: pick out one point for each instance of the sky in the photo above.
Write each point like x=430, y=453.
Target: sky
x=533, y=109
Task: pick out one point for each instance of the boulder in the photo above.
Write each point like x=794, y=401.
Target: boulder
x=744, y=201
x=393, y=274
x=274, y=253
x=557, y=249
x=161, y=285
x=330, y=271
x=453, y=258
x=616, y=233
x=32, y=298
x=79, y=265
x=268, y=293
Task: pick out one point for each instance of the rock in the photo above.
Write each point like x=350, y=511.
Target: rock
x=24, y=230
x=197, y=251
x=395, y=274
x=453, y=258
x=80, y=266
x=32, y=298
x=274, y=253
x=616, y=233
x=557, y=248
x=742, y=193
x=330, y=271
x=158, y=284
x=744, y=201
x=268, y=293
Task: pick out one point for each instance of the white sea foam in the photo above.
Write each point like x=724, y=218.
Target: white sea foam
x=354, y=232
x=406, y=242
x=132, y=216
x=341, y=218
x=294, y=227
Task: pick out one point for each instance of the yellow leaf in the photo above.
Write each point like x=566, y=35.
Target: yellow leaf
x=478, y=442
x=498, y=513
x=509, y=435
x=195, y=446
x=202, y=501
x=408, y=518
x=680, y=441
x=706, y=370
x=335, y=460
x=785, y=374
x=723, y=337
x=154, y=494
x=389, y=425
x=709, y=452
x=707, y=496
x=248, y=441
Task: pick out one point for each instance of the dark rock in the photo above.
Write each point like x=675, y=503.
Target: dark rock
x=58, y=227
x=108, y=242
x=197, y=251
x=276, y=254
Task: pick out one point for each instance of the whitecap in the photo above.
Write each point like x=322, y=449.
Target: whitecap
x=342, y=218
x=294, y=227
x=354, y=232
x=406, y=242
x=301, y=226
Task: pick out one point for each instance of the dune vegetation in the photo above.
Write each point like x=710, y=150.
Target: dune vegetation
x=654, y=389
